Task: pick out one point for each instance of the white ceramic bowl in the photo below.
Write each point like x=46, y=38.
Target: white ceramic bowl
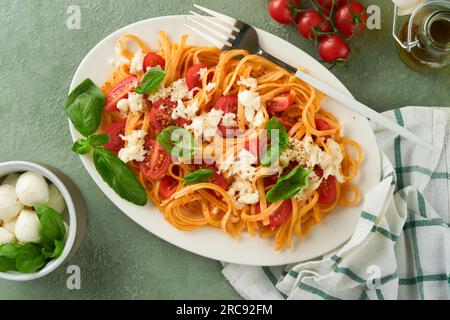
x=74, y=214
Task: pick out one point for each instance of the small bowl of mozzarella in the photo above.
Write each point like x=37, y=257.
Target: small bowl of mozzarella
x=42, y=220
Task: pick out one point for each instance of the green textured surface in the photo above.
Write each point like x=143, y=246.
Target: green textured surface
x=118, y=259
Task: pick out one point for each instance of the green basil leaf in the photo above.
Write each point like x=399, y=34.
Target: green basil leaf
x=198, y=176
x=279, y=142
x=152, y=81
x=119, y=177
x=7, y=264
x=81, y=146
x=84, y=106
x=289, y=185
x=51, y=226
x=9, y=250
x=29, y=258
x=58, y=247
x=97, y=140
x=179, y=142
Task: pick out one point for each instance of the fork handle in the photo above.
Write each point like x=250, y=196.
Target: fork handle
x=277, y=61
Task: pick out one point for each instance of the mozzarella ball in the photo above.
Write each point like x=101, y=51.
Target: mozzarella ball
x=11, y=180
x=27, y=227
x=9, y=204
x=56, y=200
x=10, y=225
x=32, y=189
x=6, y=236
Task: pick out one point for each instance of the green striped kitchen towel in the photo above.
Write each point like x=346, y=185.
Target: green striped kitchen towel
x=401, y=245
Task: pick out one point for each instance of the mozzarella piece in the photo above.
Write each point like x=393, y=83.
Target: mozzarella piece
x=56, y=200
x=229, y=120
x=186, y=112
x=6, y=236
x=137, y=63
x=243, y=192
x=123, y=106
x=206, y=125
x=136, y=102
x=210, y=86
x=251, y=101
x=248, y=82
x=134, y=151
x=176, y=91
x=27, y=227
x=32, y=189
x=11, y=180
x=9, y=204
x=202, y=73
x=10, y=225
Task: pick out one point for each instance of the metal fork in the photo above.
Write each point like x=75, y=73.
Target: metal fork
x=227, y=33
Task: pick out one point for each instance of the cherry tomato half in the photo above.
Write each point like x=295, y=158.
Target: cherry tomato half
x=280, y=216
x=152, y=60
x=161, y=115
x=327, y=190
x=119, y=92
x=322, y=125
x=228, y=104
x=115, y=130
x=311, y=22
x=333, y=48
x=193, y=76
x=348, y=16
x=280, y=103
x=167, y=187
x=157, y=161
x=279, y=10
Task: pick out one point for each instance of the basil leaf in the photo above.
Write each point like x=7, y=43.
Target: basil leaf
x=81, y=146
x=119, y=177
x=289, y=185
x=29, y=258
x=8, y=254
x=179, y=142
x=279, y=142
x=99, y=139
x=58, y=247
x=84, y=107
x=152, y=80
x=198, y=176
x=51, y=225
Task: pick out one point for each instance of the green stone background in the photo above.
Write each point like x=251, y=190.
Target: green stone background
x=118, y=259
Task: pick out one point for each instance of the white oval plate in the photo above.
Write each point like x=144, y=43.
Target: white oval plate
x=332, y=232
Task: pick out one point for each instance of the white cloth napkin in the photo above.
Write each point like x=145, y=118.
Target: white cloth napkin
x=401, y=245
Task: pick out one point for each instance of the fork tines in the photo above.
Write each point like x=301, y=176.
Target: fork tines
x=217, y=28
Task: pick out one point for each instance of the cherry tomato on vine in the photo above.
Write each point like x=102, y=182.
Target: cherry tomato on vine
x=309, y=23
x=351, y=18
x=333, y=48
x=328, y=4
x=279, y=10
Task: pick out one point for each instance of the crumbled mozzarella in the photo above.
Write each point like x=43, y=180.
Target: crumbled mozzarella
x=307, y=152
x=135, y=102
x=203, y=72
x=134, y=151
x=243, y=192
x=210, y=86
x=314, y=183
x=123, y=106
x=137, y=63
x=251, y=101
x=186, y=112
x=229, y=120
x=206, y=125
x=177, y=90
x=248, y=82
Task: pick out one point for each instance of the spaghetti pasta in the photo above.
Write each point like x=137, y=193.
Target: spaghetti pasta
x=211, y=203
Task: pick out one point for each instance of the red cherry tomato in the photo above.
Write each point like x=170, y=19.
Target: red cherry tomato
x=287, y=123
x=333, y=48
x=193, y=77
x=348, y=16
x=280, y=103
x=167, y=187
x=279, y=10
x=157, y=161
x=318, y=171
x=280, y=216
x=328, y=4
x=152, y=60
x=228, y=104
x=218, y=178
x=322, y=125
x=119, y=92
x=327, y=190
x=115, y=130
x=311, y=22
x=161, y=115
